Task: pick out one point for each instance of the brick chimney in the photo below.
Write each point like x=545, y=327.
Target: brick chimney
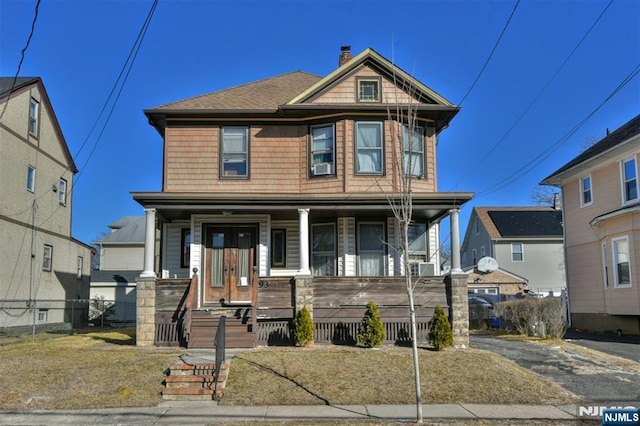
x=345, y=55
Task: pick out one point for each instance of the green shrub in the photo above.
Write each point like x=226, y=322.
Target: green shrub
x=371, y=332
x=440, y=333
x=303, y=327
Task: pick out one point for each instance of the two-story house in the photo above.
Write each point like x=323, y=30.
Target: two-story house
x=602, y=231
x=525, y=241
x=42, y=267
x=277, y=194
x=121, y=259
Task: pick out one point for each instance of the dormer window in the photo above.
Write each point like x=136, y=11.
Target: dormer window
x=368, y=90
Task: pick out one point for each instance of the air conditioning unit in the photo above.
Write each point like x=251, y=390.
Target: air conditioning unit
x=322, y=169
x=426, y=269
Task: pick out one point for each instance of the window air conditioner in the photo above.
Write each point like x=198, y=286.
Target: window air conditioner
x=426, y=269
x=322, y=169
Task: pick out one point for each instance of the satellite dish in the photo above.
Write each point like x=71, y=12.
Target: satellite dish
x=487, y=264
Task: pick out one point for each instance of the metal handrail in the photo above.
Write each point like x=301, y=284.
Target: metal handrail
x=220, y=352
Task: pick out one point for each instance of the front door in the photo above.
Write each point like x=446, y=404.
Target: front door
x=229, y=262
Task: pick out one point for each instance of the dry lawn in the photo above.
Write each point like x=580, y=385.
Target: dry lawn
x=105, y=369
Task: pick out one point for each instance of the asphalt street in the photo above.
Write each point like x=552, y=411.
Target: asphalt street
x=622, y=346
x=595, y=379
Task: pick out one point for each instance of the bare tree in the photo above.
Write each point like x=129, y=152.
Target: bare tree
x=545, y=195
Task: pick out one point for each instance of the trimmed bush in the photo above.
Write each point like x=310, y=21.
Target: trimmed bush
x=303, y=327
x=535, y=317
x=440, y=333
x=371, y=332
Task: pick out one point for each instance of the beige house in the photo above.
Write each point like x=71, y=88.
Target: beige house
x=600, y=189
x=276, y=195
x=42, y=267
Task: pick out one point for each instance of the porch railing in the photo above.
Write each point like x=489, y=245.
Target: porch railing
x=220, y=345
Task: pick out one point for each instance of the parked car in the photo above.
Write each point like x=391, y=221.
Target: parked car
x=480, y=308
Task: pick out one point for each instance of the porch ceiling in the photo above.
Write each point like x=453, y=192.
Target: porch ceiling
x=176, y=206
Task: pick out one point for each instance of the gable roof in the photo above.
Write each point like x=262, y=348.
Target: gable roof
x=521, y=222
x=616, y=138
x=10, y=85
x=128, y=230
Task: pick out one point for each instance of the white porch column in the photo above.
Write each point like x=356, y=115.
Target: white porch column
x=454, y=217
x=149, y=244
x=304, y=242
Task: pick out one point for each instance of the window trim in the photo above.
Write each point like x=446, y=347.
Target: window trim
x=521, y=252
x=312, y=165
x=185, y=250
x=382, y=151
x=62, y=192
x=583, y=190
x=47, y=266
x=279, y=263
x=34, y=117
x=31, y=178
x=247, y=132
x=605, y=263
x=423, y=153
x=616, y=281
x=623, y=180
x=359, y=81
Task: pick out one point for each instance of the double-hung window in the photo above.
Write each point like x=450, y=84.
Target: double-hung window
x=621, y=261
x=474, y=256
x=629, y=181
x=413, y=146
x=370, y=151
x=371, y=249
x=34, y=111
x=417, y=236
x=31, y=178
x=79, y=267
x=47, y=258
x=62, y=192
x=586, y=198
x=517, y=252
x=322, y=150
x=323, y=249
x=235, y=152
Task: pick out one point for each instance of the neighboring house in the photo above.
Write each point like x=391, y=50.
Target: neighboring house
x=526, y=241
x=275, y=193
x=600, y=190
x=499, y=285
x=42, y=266
x=121, y=260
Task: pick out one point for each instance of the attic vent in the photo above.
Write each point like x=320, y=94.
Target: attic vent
x=322, y=169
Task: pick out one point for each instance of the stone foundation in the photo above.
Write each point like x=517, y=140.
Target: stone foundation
x=458, y=300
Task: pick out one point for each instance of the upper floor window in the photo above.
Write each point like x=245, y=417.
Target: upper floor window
x=477, y=225
x=629, y=181
x=517, y=252
x=483, y=252
x=34, y=111
x=31, y=178
x=235, y=152
x=79, y=267
x=369, y=148
x=586, y=198
x=413, y=145
x=323, y=249
x=322, y=150
x=474, y=257
x=48, y=257
x=621, y=261
x=368, y=90
x=185, y=258
x=62, y=192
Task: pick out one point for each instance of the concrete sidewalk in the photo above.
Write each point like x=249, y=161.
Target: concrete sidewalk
x=203, y=413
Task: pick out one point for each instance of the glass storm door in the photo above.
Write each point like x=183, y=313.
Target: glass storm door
x=229, y=261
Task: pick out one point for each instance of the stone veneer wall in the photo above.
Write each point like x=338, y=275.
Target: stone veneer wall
x=146, y=311
x=304, y=293
x=458, y=301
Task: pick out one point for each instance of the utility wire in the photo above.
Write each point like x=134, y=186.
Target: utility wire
x=491, y=54
x=546, y=153
x=535, y=99
x=24, y=51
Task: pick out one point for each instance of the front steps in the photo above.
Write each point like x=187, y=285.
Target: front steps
x=194, y=382
x=239, y=329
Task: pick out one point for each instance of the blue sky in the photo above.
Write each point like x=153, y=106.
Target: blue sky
x=195, y=47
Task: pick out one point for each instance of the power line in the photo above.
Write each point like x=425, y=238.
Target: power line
x=535, y=99
x=546, y=153
x=490, y=54
x=24, y=51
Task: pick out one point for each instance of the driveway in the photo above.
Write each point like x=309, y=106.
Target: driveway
x=601, y=380
x=622, y=346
